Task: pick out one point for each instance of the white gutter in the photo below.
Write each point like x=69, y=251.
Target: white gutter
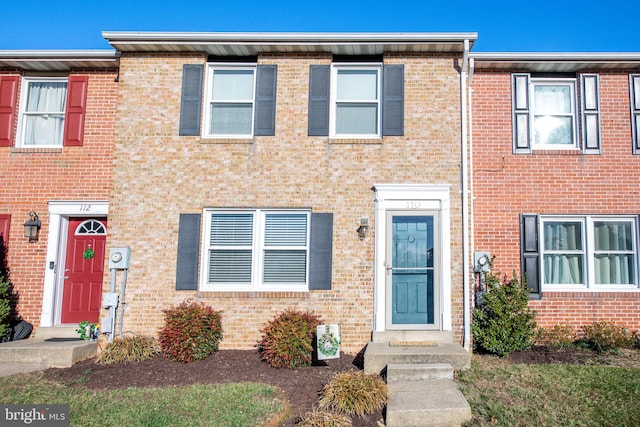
x=286, y=37
x=465, y=201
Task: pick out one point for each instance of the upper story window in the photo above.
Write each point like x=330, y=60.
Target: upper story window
x=553, y=112
x=634, y=92
x=547, y=116
x=42, y=112
x=239, y=100
x=355, y=100
x=256, y=250
x=51, y=111
x=230, y=101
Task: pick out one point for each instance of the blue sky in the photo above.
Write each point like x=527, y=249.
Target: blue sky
x=517, y=26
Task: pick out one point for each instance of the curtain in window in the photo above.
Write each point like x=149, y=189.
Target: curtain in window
x=285, y=254
x=613, y=244
x=564, y=253
x=44, y=113
x=553, y=115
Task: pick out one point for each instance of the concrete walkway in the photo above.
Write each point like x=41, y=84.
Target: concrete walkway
x=52, y=348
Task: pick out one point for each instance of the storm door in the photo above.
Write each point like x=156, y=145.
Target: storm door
x=411, y=270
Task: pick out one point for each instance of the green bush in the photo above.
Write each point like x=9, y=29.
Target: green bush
x=128, y=349
x=324, y=419
x=287, y=340
x=603, y=336
x=354, y=393
x=5, y=307
x=503, y=323
x=191, y=331
x=556, y=336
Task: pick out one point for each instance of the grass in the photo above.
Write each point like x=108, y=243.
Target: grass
x=503, y=394
x=245, y=404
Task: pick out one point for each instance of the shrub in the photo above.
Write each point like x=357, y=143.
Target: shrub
x=287, y=340
x=324, y=419
x=354, y=393
x=5, y=307
x=128, y=349
x=192, y=331
x=557, y=336
x=602, y=336
x=503, y=323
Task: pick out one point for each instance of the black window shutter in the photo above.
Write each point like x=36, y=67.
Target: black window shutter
x=319, y=76
x=265, y=118
x=191, y=101
x=634, y=89
x=590, y=113
x=188, y=250
x=521, y=119
x=321, y=250
x=393, y=100
x=530, y=253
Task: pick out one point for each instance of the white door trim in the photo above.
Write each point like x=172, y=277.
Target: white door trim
x=59, y=213
x=409, y=197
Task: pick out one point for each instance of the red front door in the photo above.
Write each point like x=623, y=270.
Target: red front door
x=84, y=267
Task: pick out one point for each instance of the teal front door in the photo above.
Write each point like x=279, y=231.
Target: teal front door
x=412, y=252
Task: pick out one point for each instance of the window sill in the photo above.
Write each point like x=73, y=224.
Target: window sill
x=356, y=141
x=227, y=140
x=584, y=289
x=564, y=152
x=30, y=150
x=253, y=294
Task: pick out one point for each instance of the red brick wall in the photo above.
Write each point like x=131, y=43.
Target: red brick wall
x=31, y=177
x=552, y=182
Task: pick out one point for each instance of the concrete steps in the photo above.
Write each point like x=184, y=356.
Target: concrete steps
x=48, y=348
x=379, y=354
x=419, y=369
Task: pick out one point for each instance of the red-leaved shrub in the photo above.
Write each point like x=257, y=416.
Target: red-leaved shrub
x=191, y=332
x=287, y=340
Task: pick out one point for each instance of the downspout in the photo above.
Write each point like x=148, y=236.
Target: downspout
x=465, y=200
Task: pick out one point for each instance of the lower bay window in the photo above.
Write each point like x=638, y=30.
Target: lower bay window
x=254, y=250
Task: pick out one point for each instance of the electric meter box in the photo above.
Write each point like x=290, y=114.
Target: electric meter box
x=119, y=258
x=110, y=299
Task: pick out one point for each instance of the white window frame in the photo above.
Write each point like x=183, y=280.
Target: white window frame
x=24, y=93
x=589, y=252
x=334, y=98
x=571, y=82
x=258, y=249
x=211, y=68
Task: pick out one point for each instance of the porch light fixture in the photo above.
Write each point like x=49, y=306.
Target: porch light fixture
x=32, y=227
x=364, y=228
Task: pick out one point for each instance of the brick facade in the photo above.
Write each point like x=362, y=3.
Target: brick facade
x=159, y=175
x=32, y=177
x=552, y=182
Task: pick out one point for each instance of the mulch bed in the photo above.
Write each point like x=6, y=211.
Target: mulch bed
x=300, y=387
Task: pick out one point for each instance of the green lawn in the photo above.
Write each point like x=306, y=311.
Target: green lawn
x=502, y=394
x=246, y=404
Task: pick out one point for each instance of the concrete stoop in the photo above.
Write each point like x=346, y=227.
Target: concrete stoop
x=52, y=348
x=379, y=354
